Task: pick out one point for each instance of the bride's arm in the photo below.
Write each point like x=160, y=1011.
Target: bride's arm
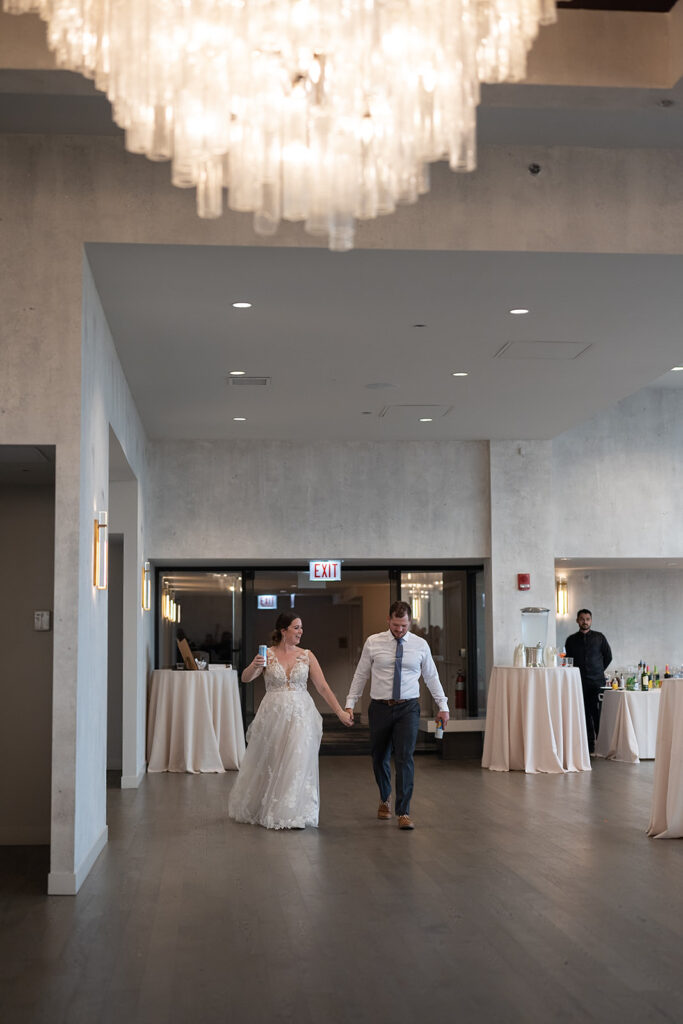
x=253, y=670
x=323, y=688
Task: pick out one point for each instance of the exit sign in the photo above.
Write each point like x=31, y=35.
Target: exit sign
x=325, y=570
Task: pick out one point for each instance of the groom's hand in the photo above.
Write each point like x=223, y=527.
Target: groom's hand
x=444, y=716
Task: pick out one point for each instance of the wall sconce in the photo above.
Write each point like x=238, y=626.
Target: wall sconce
x=100, y=552
x=146, y=588
x=561, y=597
x=177, y=613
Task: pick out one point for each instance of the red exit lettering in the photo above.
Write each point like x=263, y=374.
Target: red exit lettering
x=324, y=570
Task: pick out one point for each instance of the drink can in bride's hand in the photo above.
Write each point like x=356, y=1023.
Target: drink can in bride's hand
x=263, y=650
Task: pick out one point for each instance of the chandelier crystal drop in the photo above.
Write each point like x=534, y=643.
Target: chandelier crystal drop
x=321, y=111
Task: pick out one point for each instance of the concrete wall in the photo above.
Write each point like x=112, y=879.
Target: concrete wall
x=522, y=540
x=618, y=480
x=126, y=511
x=106, y=403
x=284, y=500
x=40, y=383
x=52, y=393
x=27, y=540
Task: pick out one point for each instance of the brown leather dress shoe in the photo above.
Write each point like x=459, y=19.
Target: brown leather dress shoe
x=384, y=812
x=405, y=821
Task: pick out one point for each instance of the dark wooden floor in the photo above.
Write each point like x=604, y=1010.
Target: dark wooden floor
x=517, y=899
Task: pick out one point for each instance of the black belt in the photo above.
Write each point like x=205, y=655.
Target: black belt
x=392, y=702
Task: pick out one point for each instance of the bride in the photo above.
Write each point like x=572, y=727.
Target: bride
x=277, y=785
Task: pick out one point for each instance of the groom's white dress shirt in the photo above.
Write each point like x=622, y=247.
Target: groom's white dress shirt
x=377, y=662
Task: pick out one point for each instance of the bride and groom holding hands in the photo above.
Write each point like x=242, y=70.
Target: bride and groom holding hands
x=277, y=785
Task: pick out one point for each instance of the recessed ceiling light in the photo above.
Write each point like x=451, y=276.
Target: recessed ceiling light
x=419, y=325
x=459, y=373
x=240, y=419
x=237, y=373
x=425, y=419
x=241, y=305
x=518, y=312
x=676, y=369
x=379, y=385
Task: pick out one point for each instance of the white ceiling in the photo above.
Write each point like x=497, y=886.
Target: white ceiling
x=327, y=328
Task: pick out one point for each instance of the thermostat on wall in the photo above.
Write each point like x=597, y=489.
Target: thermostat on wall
x=41, y=621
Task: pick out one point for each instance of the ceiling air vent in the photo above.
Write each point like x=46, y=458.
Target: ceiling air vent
x=248, y=382
x=409, y=413
x=541, y=350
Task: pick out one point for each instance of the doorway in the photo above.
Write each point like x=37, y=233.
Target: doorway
x=337, y=617
x=27, y=523
x=115, y=661
x=448, y=612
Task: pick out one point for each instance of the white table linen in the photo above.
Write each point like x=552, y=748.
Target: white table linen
x=535, y=721
x=628, y=725
x=666, y=817
x=195, y=721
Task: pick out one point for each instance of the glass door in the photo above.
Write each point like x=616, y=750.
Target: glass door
x=446, y=615
x=336, y=616
x=203, y=607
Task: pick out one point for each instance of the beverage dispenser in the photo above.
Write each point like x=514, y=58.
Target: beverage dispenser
x=534, y=633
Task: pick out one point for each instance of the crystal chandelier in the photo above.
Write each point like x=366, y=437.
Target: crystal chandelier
x=321, y=111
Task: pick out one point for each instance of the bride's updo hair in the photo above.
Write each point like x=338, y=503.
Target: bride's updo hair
x=284, y=621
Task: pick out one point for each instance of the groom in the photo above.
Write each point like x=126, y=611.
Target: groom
x=394, y=660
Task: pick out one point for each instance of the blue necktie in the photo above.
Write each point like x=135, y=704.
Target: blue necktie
x=396, y=691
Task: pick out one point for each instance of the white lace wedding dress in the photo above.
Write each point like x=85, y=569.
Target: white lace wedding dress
x=277, y=785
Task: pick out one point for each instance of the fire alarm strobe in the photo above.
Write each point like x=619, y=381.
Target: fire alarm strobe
x=523, y=581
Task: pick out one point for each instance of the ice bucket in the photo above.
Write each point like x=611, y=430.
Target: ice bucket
x=534, y=632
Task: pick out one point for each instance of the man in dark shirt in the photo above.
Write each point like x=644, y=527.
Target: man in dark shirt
x=592, y=655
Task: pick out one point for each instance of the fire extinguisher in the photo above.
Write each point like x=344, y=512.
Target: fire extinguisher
x=460, y=695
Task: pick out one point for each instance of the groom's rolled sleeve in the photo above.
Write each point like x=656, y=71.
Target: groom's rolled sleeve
x=431, y=678
x=360, y=676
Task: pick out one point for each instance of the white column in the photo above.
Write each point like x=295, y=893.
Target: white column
x=522, y=540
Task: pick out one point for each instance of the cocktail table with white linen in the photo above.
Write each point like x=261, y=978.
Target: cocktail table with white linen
x=535, y=721
x=666, y=817
x=195, y=721
x=628, y=725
